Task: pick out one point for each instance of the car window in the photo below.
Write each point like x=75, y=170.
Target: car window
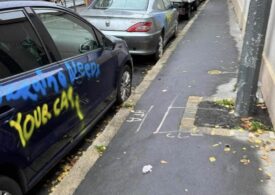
x=158, y=5
x=121, y=4
x=167, y=4
x=71, y=36
x=20, y=48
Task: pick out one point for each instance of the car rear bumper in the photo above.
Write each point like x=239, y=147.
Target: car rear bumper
x=139, y=43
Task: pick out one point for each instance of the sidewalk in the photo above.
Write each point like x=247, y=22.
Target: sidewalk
x=162, y=131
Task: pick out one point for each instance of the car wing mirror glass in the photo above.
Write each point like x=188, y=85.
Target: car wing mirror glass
x=88, y=46
x=84, y=48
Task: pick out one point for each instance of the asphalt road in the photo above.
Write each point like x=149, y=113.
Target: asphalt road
x=141, y=66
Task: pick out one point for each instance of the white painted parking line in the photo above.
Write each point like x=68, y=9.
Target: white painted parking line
x=144, y=118
x=165, y=115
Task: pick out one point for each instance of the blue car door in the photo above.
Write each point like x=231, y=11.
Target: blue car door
x=90, y=69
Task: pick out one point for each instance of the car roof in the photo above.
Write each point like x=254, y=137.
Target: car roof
x=4, y=4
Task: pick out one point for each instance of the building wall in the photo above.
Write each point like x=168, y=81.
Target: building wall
x=267, y=75
x=241, y=10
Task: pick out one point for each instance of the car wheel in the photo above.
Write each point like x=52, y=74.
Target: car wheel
x=160, y=48
x=125, y=85
x=9, y=187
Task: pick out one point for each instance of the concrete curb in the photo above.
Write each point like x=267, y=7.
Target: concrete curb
x=70, y=183
x=188, y=119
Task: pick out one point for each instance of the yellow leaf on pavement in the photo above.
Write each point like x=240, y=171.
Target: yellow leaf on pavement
x=214, y=72
x=212, y=159
x=227, y=149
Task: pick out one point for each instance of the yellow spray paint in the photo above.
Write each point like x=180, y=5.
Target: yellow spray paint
x=41, y=115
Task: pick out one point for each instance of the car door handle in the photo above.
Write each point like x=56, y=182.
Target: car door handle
x=6, y=112
x=79, y=78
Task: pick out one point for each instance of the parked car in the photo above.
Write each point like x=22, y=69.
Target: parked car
x=146, y=25
x=58, y=76
x=185, y=7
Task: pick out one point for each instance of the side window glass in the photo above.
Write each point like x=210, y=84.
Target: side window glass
x=167, y=4
x=20, y=48
x=159, y=5
x=71, y=36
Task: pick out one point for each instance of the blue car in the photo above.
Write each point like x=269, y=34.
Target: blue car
x=58, y=76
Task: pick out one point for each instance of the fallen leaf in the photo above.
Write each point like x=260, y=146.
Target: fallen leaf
x=265, y=157
x=212, y=159
x=258, y=141
x=245, y=161
x=227, y=149
x=246, y=119
x=163, y=162
x=259, y=131
x=215, y=145
x=214, y=72
x=268, y=175
x=272, y=148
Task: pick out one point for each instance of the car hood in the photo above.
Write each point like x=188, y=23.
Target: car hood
x=113, y=20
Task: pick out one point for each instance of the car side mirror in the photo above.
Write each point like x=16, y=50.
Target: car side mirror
x=88, y=46
x=108, y=44
x=174, y=6
x=84, y=48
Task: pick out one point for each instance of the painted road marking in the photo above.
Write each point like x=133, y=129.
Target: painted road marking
x=144, y=118
x=165, y=115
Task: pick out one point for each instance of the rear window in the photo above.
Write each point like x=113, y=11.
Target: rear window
x=120, y=4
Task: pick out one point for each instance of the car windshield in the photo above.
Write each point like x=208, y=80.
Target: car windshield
x=120, y=4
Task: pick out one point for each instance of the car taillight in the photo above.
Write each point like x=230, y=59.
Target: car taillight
x=140, y=27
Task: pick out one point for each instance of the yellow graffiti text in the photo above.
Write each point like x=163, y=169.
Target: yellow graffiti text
x=26, y=126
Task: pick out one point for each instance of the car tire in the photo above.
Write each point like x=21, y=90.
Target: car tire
x=124, y=84
x=160, y=49
x=9, y=186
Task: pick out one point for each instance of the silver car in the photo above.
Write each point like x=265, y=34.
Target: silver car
x=146, y=25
